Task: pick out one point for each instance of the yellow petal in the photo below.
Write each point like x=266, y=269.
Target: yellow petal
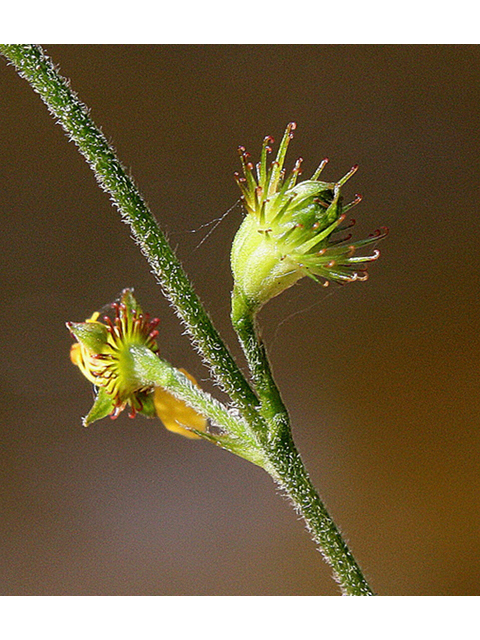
x=175, y=414
x=76, y=354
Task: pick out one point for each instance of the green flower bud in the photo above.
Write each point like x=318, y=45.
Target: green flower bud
x=290, y=230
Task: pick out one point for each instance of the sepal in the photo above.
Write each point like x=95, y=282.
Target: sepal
x=103, y=406
x=91, y=334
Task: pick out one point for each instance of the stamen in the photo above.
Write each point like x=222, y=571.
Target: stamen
x=372, y=258
x=322, y=203
x=350, y=224
x=276, y=219
x=280, y=159
x=362, y=278
x=109, y=323
x=308, y=245
x=340, y=240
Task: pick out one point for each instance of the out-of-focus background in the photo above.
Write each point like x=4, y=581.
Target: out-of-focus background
x=381, y=377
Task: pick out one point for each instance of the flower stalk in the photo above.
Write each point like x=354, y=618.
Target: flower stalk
x=256, y=426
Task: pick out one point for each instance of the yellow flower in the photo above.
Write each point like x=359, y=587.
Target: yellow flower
x=103, y=354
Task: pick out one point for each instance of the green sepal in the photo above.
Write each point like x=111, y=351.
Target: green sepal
x=103, y=406
x=128, y=299
x=148, y=406
x=92, y=335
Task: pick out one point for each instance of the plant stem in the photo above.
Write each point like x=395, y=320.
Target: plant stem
x=32, y=64
x=152, y=371
x=286, y=465
x=244, y=323
x=280, y=458
x=288, y=470
x=234, y=436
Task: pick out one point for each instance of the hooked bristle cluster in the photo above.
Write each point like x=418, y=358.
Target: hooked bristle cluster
x=302, y=219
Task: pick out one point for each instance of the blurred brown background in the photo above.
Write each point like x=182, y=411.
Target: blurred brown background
x=381, y=377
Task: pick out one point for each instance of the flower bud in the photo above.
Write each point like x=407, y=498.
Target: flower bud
x=291, y=230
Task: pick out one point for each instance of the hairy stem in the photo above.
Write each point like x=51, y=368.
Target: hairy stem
x=152, y=371
x=289, y=471
x=285, y=464
x=32, y=64
x=272, y=406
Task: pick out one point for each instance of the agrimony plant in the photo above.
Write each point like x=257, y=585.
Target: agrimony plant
x=290, y=230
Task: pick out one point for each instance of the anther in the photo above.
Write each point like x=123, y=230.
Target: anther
x=363, y=277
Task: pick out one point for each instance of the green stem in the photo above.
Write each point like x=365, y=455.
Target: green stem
x=154, y=372
x=234, y=436
x=244, y=323
x=38, y=69
x=281, y=459
x=284, y=462
x=287, y=468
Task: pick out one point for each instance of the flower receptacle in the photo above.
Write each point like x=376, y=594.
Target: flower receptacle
x=260, y=270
